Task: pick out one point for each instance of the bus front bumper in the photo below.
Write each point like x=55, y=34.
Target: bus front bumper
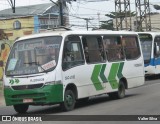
x=48, y=94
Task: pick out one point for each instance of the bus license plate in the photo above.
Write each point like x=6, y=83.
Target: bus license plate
x=27, y=100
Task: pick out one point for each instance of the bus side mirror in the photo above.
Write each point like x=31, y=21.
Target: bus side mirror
x=1, y=64
x=157, y=49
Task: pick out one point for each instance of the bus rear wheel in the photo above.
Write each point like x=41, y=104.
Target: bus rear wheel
x=120, y=93
x=21, y=108
x=69, y=101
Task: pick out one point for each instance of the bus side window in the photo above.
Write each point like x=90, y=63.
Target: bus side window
x=113, y=48
x=72, y=52
x=157, y=41
x=93, y=49
x=131, y=47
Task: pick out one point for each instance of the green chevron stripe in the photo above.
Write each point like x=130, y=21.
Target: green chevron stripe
x=112, y=75
x=102, y=76
x=96, y=71
x=120, y=70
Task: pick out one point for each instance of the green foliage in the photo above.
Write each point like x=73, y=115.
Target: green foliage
x=109, y=23
x=120, y=14
x=157, y=7
x=2, y=35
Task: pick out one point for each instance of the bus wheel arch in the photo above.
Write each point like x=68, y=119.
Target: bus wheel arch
x=72, y=87
x=70, y=96
x=121, y=89
x=124, y=80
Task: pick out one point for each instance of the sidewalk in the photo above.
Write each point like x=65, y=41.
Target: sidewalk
x=2, y=102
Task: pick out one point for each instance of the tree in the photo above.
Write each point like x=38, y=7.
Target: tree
x=3, y=36
x=157, y=7
x=109, y=23
x=112, y=15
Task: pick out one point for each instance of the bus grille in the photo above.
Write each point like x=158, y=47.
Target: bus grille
x=39, y=95
x=25, y=87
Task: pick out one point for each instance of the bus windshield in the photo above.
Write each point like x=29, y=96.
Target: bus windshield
x=33, y=56
x=146, y=43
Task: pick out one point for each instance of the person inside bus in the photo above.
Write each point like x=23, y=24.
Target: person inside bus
x=67, y=56
x=51, y=54
x=86, y=54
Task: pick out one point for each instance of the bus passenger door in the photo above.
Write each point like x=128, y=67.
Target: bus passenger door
x=73, y=65
x=157, y=54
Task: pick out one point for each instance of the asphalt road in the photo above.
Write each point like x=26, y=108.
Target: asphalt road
x=144, y=100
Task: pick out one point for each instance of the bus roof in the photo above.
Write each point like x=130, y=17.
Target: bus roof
x=64, y=33
x=151, y=33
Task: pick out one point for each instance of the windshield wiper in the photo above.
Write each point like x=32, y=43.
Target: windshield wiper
x=36, y=63
x=30, y=63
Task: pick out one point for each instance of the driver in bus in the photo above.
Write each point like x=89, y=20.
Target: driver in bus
x=51, y=55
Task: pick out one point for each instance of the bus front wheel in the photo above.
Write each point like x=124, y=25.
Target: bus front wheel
x=21, y=108
x=69, y=101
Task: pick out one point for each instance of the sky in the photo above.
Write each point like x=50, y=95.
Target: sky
x=93, y=10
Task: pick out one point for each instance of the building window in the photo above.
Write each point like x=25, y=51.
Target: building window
x=157, y=43
x=17, y=24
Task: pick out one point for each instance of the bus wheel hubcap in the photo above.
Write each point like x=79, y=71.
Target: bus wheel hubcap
x=69, y=100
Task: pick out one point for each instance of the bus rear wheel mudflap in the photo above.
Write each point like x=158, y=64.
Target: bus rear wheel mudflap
x=69, y=101
x=120, y=93
x=21, y=108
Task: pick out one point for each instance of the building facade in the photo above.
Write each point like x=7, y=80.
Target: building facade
x=31, y=19
x=25, y=21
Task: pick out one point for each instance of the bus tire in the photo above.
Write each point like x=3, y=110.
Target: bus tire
x=120, y=93
x=69, y=101
x=121, y=90
x=21, y=108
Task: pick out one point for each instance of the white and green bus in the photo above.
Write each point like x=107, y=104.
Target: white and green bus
x=65, y=66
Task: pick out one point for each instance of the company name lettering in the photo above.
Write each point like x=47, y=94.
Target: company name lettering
x=36, y=80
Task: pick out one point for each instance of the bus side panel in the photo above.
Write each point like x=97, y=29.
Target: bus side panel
x=81, y=77
x=153, y=67
x=95, y=79
x=149, y=70
x=134, y=72
x=157, y=67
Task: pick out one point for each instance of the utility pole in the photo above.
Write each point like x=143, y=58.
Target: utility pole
x=12, y=4
x=123, y=14
x=61, y=4
x=61, y=12
x=143, y=15
x=98, y=19
x=87, y=21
